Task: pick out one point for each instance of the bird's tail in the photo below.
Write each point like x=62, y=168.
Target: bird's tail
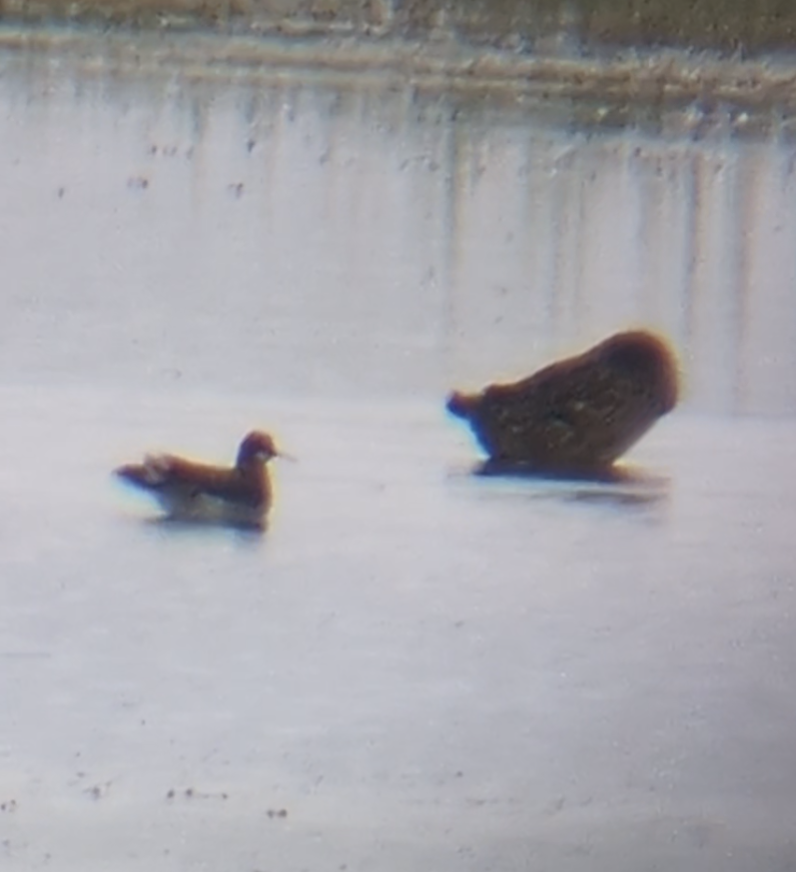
x=149, y=474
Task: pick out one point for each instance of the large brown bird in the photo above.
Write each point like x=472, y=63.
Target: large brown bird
x=578, y=415
x=240, y=494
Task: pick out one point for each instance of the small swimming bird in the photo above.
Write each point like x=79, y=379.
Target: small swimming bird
x=578, y=415
x=200, y=492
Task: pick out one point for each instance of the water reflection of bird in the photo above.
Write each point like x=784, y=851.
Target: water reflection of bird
x=240, y=494
x=580, y=414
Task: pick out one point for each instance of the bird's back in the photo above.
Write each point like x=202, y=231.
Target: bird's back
x=582, y=412
x=188, y=489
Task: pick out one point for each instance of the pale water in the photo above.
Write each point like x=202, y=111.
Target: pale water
x=415, y=669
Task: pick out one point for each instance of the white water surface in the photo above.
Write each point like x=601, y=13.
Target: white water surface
x=422, y=668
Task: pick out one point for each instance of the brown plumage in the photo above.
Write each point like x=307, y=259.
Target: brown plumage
x=580, y=414
x=197, y=491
